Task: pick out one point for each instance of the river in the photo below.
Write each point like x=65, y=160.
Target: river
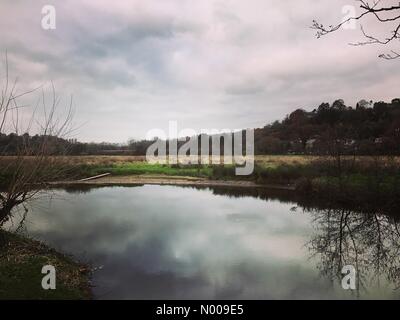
x=169, y=242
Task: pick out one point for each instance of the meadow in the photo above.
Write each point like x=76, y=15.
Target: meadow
x=295, y=170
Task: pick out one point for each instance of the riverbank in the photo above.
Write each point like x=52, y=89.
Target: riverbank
x=111, y=180
x=309, y=174
x=268, y=170
x=351, y=179
x=21, y=262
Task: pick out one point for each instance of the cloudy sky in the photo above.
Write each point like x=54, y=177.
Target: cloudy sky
x=132, y=66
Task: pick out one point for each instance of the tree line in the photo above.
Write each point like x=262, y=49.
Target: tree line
x=367, y=129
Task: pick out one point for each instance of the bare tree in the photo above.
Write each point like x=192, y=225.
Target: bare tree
x=388, y=14
x=26, y=170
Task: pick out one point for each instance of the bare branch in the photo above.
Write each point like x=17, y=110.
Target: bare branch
x=32, y=165
x=375, y=10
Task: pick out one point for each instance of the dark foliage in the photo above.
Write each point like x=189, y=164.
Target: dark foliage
x=365, y=130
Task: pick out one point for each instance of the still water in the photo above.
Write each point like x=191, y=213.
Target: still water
x=167, y=242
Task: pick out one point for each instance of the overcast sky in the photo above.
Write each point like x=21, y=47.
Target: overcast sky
x=132, y=66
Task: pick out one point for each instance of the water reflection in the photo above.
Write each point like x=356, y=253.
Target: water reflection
x=157, y=242
x=368, y=241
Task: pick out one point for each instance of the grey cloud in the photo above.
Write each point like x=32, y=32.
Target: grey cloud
x=244, y=89
x=136, y=65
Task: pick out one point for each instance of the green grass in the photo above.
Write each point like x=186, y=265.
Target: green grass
x=264, y=172
x=296, y=171
x=139, y=168
x=21, y=262
x=384, y=183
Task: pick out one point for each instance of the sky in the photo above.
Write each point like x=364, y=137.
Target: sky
x=133, y=66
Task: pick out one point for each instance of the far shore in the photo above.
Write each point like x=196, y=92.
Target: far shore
x=171, y=180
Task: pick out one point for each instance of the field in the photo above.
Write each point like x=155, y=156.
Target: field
x=268, y=169
x=137, y=165
x=133, y=165
x=265, y=160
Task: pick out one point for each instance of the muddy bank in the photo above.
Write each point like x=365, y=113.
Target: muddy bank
x=172, y=180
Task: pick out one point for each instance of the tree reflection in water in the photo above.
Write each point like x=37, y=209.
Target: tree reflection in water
x=362, y=236
x=368, y=241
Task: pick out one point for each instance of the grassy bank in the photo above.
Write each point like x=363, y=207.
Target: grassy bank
x=129, y=165
x=21, y=262
x=307, y=173
x=348, y=178
x=268, y=169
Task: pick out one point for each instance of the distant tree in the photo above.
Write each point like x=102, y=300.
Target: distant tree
x=363, y=104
